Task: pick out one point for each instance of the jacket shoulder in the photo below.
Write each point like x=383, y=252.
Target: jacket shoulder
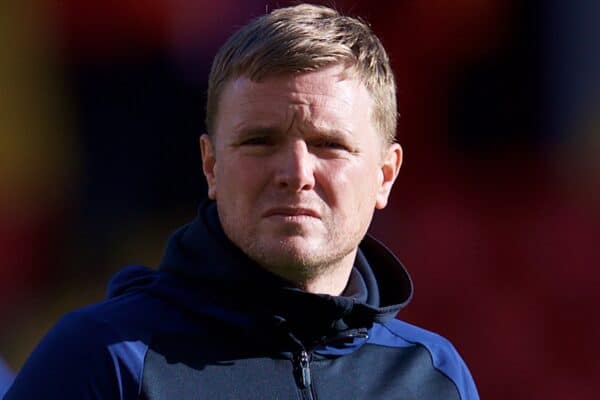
x=85, y=355
x=444, y=356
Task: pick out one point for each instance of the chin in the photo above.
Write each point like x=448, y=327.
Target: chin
x=290, y=255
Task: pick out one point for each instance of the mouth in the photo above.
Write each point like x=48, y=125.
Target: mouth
x=291, y=212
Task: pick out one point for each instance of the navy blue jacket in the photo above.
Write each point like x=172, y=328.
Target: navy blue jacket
x=211, y=324
x=6, y=377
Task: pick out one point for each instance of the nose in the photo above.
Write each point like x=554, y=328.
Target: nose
x=295, y=168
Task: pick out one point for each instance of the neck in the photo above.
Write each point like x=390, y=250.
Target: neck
x=331, y=280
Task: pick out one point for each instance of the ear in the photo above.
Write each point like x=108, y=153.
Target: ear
x=209, y=161
x=392, y=161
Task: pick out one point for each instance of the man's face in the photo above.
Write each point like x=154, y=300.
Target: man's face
x=297, y=168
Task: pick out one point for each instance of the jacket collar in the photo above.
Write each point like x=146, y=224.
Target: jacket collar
x=204, y=272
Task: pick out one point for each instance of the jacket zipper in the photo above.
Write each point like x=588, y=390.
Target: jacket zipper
x=303, y=379
x=301, y=361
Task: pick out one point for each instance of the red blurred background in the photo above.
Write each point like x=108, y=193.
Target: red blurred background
x=495, y=213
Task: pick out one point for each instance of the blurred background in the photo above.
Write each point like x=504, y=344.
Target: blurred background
x=496, y=211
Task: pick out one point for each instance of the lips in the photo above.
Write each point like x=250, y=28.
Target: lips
x=292, y=212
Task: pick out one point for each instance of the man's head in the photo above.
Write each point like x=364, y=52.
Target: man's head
x=306, y=38
x=296, y=159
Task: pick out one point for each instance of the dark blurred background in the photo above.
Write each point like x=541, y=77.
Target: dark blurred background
x=496, y=211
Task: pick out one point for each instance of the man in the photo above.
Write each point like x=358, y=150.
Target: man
x=273, y=291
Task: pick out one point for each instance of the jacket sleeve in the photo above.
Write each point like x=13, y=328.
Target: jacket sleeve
x=6, y=378
x=448, y=361
x=79, y=358
x=458, y=371
x=442, y=356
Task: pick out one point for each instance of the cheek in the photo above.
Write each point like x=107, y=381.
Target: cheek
x=241, y=181
x=351, y=186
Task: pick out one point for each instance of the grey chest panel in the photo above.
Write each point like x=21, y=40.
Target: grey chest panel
x=373, y=372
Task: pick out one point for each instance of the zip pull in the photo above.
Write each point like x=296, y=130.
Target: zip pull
x=344, y=337
x=303, y=361
x=359, y=335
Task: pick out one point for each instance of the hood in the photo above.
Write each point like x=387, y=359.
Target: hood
x=205, y=273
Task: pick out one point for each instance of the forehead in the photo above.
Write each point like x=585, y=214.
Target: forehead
x=330, y=96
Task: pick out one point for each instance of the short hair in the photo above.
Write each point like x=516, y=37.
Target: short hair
x=306, y=38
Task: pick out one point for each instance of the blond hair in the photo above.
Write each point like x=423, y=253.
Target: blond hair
x=306, y=38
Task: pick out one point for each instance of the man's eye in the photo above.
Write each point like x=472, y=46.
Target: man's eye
x=330, y=144
x=257, y=141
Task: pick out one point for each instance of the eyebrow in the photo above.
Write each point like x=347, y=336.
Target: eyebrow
x=266, y=130
x=258, y=130
x=335, y=133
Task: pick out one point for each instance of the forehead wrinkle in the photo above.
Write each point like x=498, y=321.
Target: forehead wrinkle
x=292, y=120
x=308, y=96
x=306, y=124
x=302, y=102
x=318, y=108
x=264, y=119
x=303, y=92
